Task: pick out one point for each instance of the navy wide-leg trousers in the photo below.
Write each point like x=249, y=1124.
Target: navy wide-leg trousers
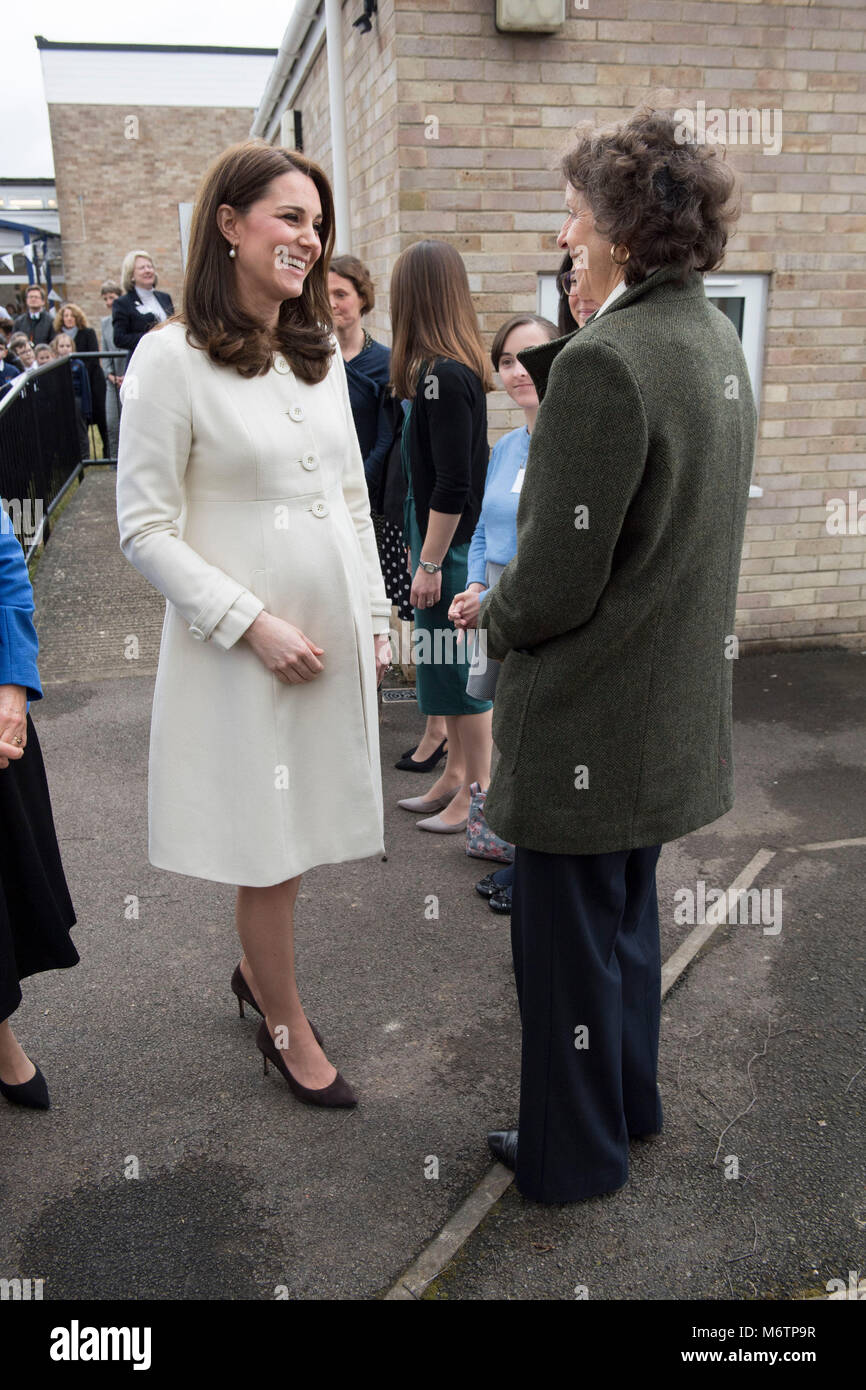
x=587, y=960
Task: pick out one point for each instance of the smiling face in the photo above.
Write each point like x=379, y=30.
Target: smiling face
x=346, y=303
x=68, y=317
x=26, y=355
x=595, y=271
x=513, y=375
x=277, y=241
x=62, y=345
x=143, y=273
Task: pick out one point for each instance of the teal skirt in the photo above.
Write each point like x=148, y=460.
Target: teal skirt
x=441, y=651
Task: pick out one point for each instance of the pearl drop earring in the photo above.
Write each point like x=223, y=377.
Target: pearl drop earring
x=232, y=252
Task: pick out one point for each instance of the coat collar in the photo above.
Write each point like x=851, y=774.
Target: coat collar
x=539, y=360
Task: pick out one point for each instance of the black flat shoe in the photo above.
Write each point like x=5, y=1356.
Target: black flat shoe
x=244, y=995
x=408, y=764
x=487, y=886
x=503, y=1145
x=500, y=901
x=339, y=1093
x=32, y=1093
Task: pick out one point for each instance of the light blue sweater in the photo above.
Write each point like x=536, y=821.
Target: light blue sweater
x=495, y=536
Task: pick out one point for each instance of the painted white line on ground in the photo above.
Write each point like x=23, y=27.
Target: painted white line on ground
x=459, y=1227
x=828, y=844
x=716, y=914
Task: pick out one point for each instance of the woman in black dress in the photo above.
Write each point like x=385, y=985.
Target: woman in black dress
x=36, y=911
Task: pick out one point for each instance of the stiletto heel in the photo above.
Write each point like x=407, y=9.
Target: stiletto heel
x=339, y=1093
x=244, y=994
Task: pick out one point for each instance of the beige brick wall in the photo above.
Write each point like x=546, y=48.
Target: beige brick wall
x=116, y=194
x=505, y=106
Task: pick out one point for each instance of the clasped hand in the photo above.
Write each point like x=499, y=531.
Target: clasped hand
x=13, y=722
x=465, y=607
x=292, y=656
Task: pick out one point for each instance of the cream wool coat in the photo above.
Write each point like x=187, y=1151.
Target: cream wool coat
x=235, y=495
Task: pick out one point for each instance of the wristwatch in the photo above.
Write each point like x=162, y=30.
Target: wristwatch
x=429, y=566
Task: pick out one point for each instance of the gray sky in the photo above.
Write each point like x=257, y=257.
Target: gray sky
x=25, y=143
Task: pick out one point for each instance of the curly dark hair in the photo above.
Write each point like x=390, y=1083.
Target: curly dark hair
x=669, y=200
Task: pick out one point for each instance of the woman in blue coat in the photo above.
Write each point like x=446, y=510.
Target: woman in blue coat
x=36, y=911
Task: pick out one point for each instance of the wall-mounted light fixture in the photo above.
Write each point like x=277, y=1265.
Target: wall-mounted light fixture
x=530, y=16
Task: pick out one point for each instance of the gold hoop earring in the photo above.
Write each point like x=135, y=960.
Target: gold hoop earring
x=614, y=258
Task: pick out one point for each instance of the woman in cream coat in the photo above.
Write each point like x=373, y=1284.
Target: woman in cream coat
x=242, y=498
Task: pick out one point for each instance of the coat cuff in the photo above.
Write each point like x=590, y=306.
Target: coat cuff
x=234, y=623
x=380, y=619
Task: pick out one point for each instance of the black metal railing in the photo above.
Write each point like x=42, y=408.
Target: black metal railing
x=40, y=453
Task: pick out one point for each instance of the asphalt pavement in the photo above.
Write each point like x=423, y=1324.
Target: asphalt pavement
x=170, y=1168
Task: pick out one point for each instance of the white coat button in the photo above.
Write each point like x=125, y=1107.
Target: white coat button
x=281, y=365
x=296, y=412
x=197, y=632
x=309, y=461
x=320, y=509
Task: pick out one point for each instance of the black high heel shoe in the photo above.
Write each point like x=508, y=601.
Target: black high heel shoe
x=244, y=995
x=339, y=1093
x=32, y=1093
x=408, y=764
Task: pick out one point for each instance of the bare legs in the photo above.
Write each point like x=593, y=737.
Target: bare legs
x=433, y=736
x=15, y=1066
x=265, y=923
x=470, y=748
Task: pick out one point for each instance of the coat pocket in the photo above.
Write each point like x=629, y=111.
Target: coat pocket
x=511, y=704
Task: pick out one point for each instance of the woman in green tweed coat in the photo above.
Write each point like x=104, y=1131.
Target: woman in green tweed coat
x=613, y=708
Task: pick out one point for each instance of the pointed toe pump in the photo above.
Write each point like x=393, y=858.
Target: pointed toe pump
x=339, y=1093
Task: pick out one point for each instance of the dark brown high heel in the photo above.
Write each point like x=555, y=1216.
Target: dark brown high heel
x=244, y=994
x=339, y=1093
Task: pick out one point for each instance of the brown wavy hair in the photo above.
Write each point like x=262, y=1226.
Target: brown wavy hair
x=350, y=268
x=211, y=311
x=669, y=200
x=78, y=314
x=432, y=315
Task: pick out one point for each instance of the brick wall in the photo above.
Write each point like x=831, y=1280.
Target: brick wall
x=116, y=194
x=505, y=107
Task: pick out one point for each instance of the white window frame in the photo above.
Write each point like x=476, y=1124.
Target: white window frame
x=753, y=289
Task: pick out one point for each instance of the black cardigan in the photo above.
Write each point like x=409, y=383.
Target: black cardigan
x=448, y=450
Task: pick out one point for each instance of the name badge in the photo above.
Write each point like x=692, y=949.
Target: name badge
x=518, y=481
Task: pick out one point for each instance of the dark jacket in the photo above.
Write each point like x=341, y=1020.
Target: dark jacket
x=38, y=331
x=367, y=380
x=130, y=323
x=614, y=623
x=81, y=387
x=87, y=341
x=448, y=447
x=8, y=373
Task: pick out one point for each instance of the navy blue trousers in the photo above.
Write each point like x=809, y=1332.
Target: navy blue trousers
x=587, y=960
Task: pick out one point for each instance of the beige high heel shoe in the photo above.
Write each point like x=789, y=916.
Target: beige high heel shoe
x=420, y=805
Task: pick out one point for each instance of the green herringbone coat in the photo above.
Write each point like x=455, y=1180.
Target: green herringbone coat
x=613, y=709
